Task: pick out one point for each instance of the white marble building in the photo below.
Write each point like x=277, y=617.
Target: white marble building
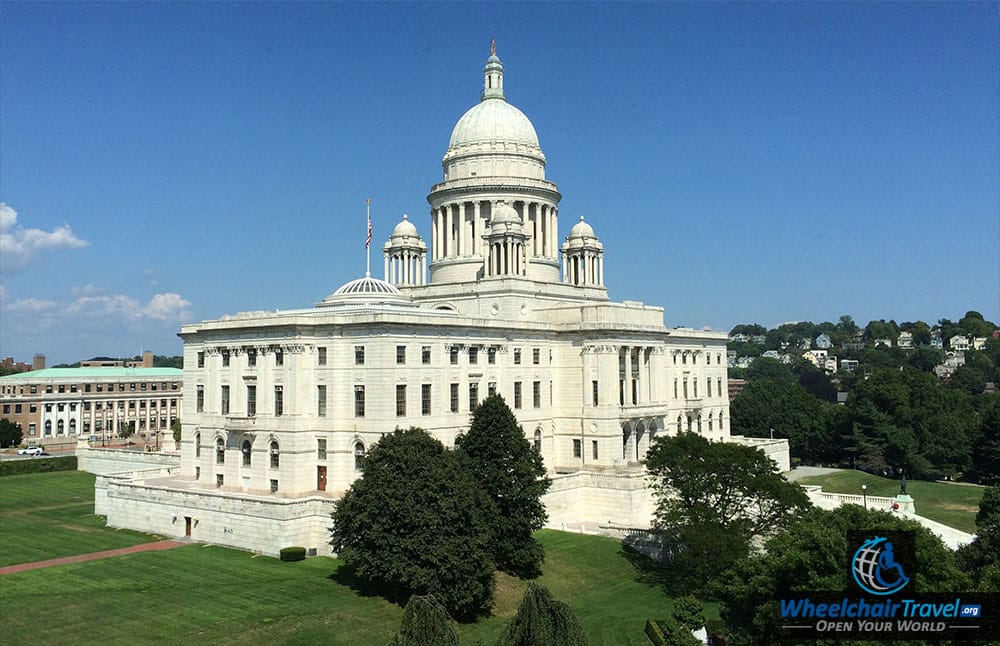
x=280, y=406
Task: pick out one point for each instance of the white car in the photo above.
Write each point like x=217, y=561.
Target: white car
x=31, y=450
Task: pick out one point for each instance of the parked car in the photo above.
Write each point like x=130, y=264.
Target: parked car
x=31, y=450
x=41, y=454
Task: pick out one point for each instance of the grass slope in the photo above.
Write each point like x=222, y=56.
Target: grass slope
x=49, y=515
x=208, y=594
x=954, y=505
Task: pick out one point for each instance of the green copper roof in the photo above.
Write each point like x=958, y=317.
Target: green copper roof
x=97, y=373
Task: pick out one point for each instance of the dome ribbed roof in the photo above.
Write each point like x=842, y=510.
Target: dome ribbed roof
x=493, y=120
x=365, y=290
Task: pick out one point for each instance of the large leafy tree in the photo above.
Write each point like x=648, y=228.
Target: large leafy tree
x=417, y=523
x=979, y=558
x=10, y=433
x=543, y=621
x=785, y=406
x=509, y=469
x=713, y=498
x=811, y=555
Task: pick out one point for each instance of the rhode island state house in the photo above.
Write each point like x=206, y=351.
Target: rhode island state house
x=484, y=296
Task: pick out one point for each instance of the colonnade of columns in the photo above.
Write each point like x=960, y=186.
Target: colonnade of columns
x=406, y=267
x=585, y=268
x=506, y=258
x=458, y=228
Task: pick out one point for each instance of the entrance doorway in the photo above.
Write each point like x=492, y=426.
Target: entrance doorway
x=321, y=478
x=187, y=526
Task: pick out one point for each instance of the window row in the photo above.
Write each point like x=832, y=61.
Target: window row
x=139, y=386
x=694, y=358
x=273, y=452
x=251, y=355
x=454, y=399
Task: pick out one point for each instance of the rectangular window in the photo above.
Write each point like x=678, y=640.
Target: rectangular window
x=593, y=448
x=359, y=401
x=425, y=355
x=400, y=355
x=400, y=400
x=225, y=358
x=200, y=399
x=251, y=358
x=321, y=449
x=491, y=356
x=48, y=389
x=473, y=355
x=279, y=358
x=594, y=391
x=321, y=401
x=321, y=356
x=359, y=355
x=18, y=408
x=201, y=361
x=473, y=396
x=577, y=449
x=536, y=356
x=251, y=401
x=425, y=399
x=62, y=387
x=274, y=486
x=225, y=400
x=708, y=385
x=536, y=394
x=517, y=394
x=279, y=401
x=453, y=355
x=219, y=479
x=32, y=429
x=517, y=356
x=454, y=398
x=491, y=388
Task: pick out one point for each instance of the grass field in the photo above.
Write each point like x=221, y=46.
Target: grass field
x=48, y=515
x=207, y=594
x=954, y=505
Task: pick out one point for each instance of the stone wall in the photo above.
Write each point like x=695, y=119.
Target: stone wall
x=776, y=449
x=585, y=501
x=107, y=461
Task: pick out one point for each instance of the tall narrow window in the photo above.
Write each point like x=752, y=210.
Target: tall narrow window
x=225, y=400
x=538, y=440
x=220, y=451
x=359, y=401
x=359, y=455
x=708, y=384
x=400, y=400
x=200, y=399
x=197, y=444
x=594, y=392
x=246, y=452
x=454, y=398
x=321, y=356
x=536, y=356
x=359, y=355
x=279, y=401
x=425, y=399
x=251, y=401
x=321, y=401
x=536, y=394
x=517, y=394
x=279, y=357
x=201, y=364
x=517, y=356
x=453, y=355
x=400, y=355
x=321, y=449
x=473, y=355
x=491, y=388
x=491, y=355
x=425, y=355
x=593, y=447
x=473, y=396
x=225, y=358
x=251, y=357
x=577, y=449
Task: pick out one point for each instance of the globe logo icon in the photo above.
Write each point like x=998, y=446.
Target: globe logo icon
x=875, y=569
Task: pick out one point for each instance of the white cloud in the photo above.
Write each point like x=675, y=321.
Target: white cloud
x=162, y=307
x=167, y=307
x=31, y=305
x=20, y=246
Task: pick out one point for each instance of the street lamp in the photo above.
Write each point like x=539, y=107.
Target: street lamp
x=864, y=494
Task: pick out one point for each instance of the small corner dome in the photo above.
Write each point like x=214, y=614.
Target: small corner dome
x=582, y=230
x=405, y=229
x=504, y=214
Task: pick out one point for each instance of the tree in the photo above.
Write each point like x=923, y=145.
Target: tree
x=509, y=469
x=811, y=555
x=126, y=429
x=713, y=498
x=10, y=433
x=417, y=523
x=986, y=457
x=543, y=621
x=425, y=623
x=785, y=406
x=979, y=558
x=175, y=429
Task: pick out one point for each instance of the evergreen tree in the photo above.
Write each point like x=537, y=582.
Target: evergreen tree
x=510, y=471
x=417, y=523
x=543, y=621
x=425, y=623
x=10, y=433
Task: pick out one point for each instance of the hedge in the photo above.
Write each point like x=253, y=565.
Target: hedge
x=37, y=465
x=293, y=553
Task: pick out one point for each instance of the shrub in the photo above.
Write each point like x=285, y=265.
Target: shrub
x=290, y=554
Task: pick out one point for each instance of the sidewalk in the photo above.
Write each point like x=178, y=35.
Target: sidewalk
x=93, y=556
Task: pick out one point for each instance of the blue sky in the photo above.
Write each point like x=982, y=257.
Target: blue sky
x=174, y=162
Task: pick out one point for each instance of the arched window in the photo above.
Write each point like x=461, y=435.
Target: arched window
x=72, y=427
x=197, y=445
x=220, y=451
x=48, y=427
x=710, y=420
x=273, y=450
x=246, y=452
x=60, y=427
x=680, y=423
x=699, y=424
x=538, y=440
x=721, y=427
x=359, y=455
x=690, y=422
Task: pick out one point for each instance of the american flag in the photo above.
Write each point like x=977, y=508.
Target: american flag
x=368, y=240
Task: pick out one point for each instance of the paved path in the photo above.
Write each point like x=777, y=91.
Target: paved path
x=93, y=556
x=804, y=472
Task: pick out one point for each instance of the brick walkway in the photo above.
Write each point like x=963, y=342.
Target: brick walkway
x=93, y=556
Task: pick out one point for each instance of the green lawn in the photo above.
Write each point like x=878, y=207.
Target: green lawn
x=207, y=594
x=49, y=515
x=954, y=505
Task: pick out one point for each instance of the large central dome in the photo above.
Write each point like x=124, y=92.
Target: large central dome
x=493, y=120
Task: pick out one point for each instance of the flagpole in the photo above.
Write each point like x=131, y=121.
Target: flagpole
x=368, y=240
